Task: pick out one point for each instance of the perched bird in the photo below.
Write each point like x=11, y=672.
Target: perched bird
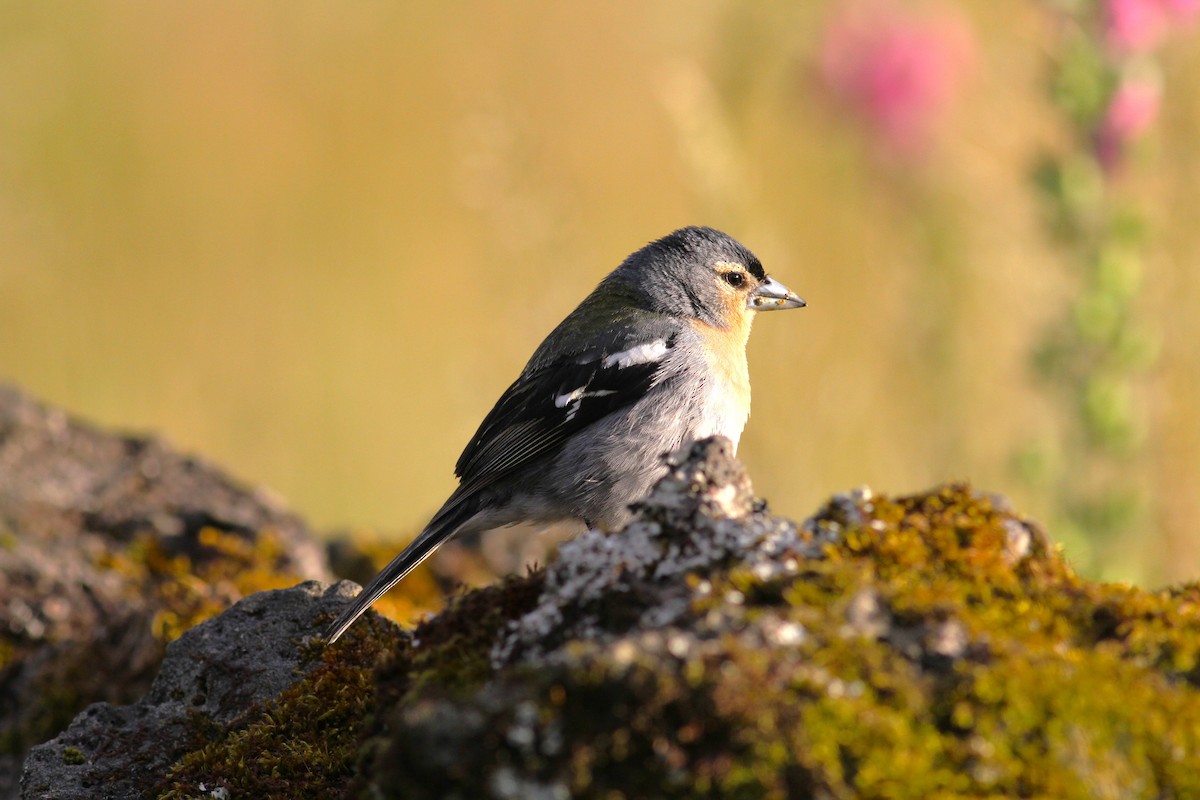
x=653, y=358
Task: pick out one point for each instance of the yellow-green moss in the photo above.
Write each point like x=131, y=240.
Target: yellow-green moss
x=304, y=743
x=190, y=580
x=181, y=581
x=451, y=650
x=940, y=648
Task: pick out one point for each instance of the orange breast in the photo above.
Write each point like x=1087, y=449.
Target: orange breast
x=727, y=403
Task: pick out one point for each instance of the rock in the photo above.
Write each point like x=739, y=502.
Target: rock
x=910, y=647
x=61, y=478
x=212, y=675
x=932, y=645
x=110, y=546
x=699, y=518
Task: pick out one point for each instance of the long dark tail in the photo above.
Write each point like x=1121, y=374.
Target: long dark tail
x=443, y=525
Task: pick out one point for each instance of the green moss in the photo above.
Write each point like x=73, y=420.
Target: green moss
x=451, y=651
x=940, y=648
x=447, y=655
x=303, y=744
x=74, y=756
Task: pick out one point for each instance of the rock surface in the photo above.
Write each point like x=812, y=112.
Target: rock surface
x=110, y=546
x=926, y=646
x=212, y=675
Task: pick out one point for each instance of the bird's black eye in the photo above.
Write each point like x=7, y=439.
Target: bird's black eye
x=734, y=279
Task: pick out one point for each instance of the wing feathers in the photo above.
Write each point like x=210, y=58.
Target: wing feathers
x=549, y=403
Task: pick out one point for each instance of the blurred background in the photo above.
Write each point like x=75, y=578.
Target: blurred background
x=314, y=242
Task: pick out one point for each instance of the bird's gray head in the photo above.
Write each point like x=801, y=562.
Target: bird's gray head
x=701, y=273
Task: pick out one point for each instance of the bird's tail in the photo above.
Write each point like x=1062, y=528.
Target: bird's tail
x=444, y=525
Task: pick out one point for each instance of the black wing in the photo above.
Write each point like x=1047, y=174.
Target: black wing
x=549, y=403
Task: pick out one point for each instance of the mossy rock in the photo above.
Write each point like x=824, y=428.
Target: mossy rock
x=930, y=646
x=111, y=546
x=936, y=645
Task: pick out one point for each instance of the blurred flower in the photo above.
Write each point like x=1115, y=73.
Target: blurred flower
x=1183, y=9
x=1134, y=26
x=895, y=68
x=1131, y=111
x=1138, y=26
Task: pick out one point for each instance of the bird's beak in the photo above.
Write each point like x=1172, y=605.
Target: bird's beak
x=773, y=296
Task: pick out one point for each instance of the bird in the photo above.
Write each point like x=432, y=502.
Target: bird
x=653, y=358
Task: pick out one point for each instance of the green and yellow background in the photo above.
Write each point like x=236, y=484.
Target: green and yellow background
x=314, y=241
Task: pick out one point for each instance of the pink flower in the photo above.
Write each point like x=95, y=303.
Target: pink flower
x=1131, y=111
x=895, y=69
x=1182, y=10
x=1138, y=26
x=1134, y=26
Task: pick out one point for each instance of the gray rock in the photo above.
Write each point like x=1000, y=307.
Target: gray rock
x=700, y=516
x=75, y=627
x=60, y=477
x=212, y=674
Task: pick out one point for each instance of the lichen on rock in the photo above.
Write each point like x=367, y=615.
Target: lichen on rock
x=701, y=516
